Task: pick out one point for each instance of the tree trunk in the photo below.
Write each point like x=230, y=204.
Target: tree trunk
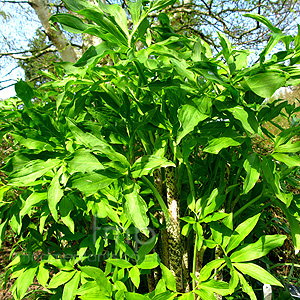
x=58, y=39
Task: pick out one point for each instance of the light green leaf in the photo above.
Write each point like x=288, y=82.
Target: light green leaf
x=70, y=23
x=289, y=147
x=33, y=200
x=60, y=278
x=84, y=161
x=150, y=261
x=134, y=296
x=217, y=286
x=241, y=114
x=264, y=21
x=205, y=272
x=246, y=287
x=252, y=167
x=266, y=84
x=226, y=140
x=135, y=10
x=134, y=275
x=70, y=287
x=121, y=263
x=240, y=233
x=148, y=163
x=27, y=175
x=23, y=282
x=258, y=273
x=168, y=277
x=135, y=207
x=258, y=249
x=205, y=294
x=189, y=116
x=290, y=160
x=55, y=193
x=42, y=275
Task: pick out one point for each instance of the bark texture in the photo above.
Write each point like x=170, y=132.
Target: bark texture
x=58, y=39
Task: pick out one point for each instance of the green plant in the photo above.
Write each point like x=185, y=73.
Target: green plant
x=141, y=179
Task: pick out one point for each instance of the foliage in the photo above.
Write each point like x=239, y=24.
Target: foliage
x=141, y=180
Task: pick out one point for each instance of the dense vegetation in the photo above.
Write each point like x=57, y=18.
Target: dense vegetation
x=139, y=172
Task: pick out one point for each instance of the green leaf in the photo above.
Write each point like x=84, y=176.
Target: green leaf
x=134, y=296
x=91, y=183
x=252, y=167
x=264, y=21
x=135, y=10
x=60, y=278
x=168, y=277
x=90, y=141
x=83, y=161
x=121, y=263
x=219, y=287
x=42, y=275
x=55, y=193
x=246, y=287
x=290, y=160
x=242, y=115
x=33, y=200
x=189, y=116
x=134, y=275
x=205, y=272
x=226, y=140
x=70, y=23
x=197, y=51
x=70, y=287
x=3, y=227
x=23, y=282
x=258, y=273
x=24, y=92
x=266, y=84
x=240, y=233
x=258, y=249
x=205, y=294
x=289, y=147
x=96, y=52
x=150, y=261
x=135, y=207
x=148, y=163
x=27, y=175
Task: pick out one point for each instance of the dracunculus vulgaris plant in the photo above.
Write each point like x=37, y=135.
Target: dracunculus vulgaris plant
x=138, y=169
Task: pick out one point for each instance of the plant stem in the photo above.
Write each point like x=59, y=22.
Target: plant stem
x=247, y=205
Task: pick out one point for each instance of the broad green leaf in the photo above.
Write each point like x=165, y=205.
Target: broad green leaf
x=205, y=272
x=205, y=294
x=226, y=140
x=264, y=21
x=135, y=207
x=168, y=277
x=246, y=287
x=24, y=92
x=258, y=273
x=135, y=296
x=242, y=115
x=84, y=161
x=217, y=286
x=189, y=116
x=96, y=52
x=252, y=167
x=65, y=208
x=42, y=274
x=91, y=183
x=23, y=282
x=289, y=147
x=160, y=4
x=33, y=200
x=148, y=163
x=135, y=7
x=60, y=278
x=70, y=287
x=90, y=141
x=134, y=275
x=31, y=143
x=3, y=227
x=294, y=225
x=240, y=233
x=55, y=193
x=197, y=51
x=147, y=246
x=234, y=280
x=290, y=160
x=70, y=23
x=31, y=171
x=266, y=84
x=188, y=296
x=258, y=249
x=150, y=261
x=121, y=263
